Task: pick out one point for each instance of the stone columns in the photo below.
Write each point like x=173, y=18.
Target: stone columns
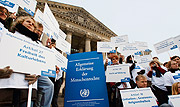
x=87, y=44
x=69, y=37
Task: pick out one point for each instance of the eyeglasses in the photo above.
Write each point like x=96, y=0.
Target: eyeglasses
x=115, y=59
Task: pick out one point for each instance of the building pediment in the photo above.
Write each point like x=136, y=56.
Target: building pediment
x=79, y=16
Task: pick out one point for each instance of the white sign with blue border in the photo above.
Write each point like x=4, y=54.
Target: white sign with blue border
x=177, y=41
x=139, y=97
x=85, y=81
x=118, y=73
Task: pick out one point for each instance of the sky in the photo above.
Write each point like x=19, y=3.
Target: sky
x=150, y=21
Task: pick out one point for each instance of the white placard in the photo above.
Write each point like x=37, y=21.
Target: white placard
x=118, y=73
x=177, y=41
x=64, y=46
x=10, y=5
x=128, y=49
x=118, y=40
x=140, y=97
x=61, y=61
x=143, y=60
x=24, y=55
x=174, y=99
x=142, y=45
x=28, y=5
x=164, y=46
x=105, y=46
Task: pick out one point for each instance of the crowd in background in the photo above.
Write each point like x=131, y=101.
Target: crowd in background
x=163, y=79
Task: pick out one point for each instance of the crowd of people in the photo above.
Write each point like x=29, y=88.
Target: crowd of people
x=163, y=79
x=13, y=85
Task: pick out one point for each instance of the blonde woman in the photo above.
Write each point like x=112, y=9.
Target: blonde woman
x=176, y=88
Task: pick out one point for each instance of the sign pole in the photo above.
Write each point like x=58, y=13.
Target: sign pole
x=29, y=96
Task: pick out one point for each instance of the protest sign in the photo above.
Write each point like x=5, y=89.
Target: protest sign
x=25, y=55
x=64, y=46
x=118, y=73
x=28, y=5
x=165, y=46
x=142, y=45
x=105, y=46
x=128, y=49
x=118, y=40
x=177, y=41
x=10, y=5
x=85, y=81
x=139, y=97
x=174, y=99
x=143, y=60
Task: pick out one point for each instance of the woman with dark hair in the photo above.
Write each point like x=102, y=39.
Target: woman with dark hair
x=12, y=96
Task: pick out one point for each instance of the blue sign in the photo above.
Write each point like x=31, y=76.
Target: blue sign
x=49, y=73
x=174, y=47
x=7, y=3
x=85, y=81
x=29, y=11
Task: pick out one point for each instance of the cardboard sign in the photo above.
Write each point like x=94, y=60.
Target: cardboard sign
x=85, y=81
x=28, y=5
x=10, y=5
x=25, y=55
x=105, y=46
x=118, y=73
x=143, y=60
x=128, y=49
x=119, y=40
x=177, y=41
x=142, y=45
x=64, y=46
x=139, y=97
x=174, y=99
x=165, y=46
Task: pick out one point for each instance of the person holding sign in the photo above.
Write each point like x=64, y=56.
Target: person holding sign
x=114, y=87
x=16, y=93
x=171, y=76
x=157, y=87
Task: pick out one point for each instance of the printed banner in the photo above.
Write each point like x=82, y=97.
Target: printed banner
x=24, y=55
x=174, y=100
x=165, y=46
x=28, y=5
x=85, y=81
x=105, y=46
x=10, y=5
x=118, y=73
x=139, y=97
x=177, y=41
x=128, y=49
x=143, y=60
x=119, y=40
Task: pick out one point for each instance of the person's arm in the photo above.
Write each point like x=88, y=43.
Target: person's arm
x=149, y=74
x=161, y=70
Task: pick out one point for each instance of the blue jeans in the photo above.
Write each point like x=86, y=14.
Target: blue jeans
x=47, y=88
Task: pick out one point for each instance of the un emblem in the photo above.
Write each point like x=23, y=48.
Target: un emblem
x=84, y=92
